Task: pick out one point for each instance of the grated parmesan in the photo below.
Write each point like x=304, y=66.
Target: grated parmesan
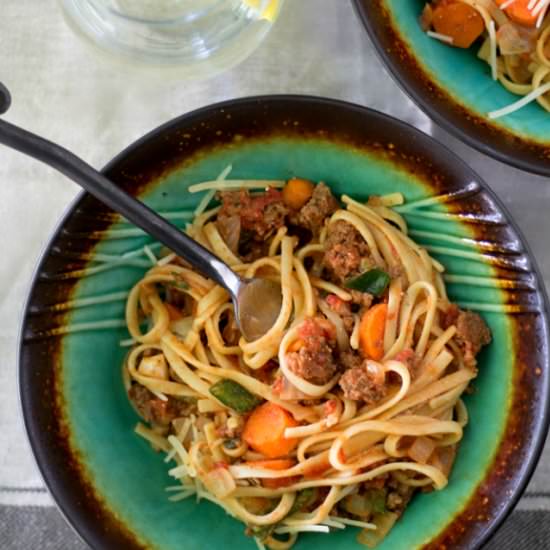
x=441, y=37
x=541, y=90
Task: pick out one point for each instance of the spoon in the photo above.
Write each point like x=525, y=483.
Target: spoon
x=253, y=319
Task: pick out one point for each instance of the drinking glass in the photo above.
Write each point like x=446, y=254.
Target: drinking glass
x=201, y=37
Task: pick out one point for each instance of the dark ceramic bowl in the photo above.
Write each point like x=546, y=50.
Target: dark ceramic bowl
x=110, y=484
x=454, y=87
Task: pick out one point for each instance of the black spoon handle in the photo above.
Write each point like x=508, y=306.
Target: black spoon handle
x=5, y=99
x=103, y=189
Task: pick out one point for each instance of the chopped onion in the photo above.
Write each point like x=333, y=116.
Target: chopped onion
x=357, y=505
x=288, y=391
x=443, y=459
x=182, y=326
x=220, y=482
x=154, y=366
x=421, y=450
x=496, y=12
x=230, y=231
x=510, y=40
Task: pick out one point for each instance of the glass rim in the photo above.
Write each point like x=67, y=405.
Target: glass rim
x=168, y=21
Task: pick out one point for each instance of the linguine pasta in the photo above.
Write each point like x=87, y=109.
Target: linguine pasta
x=350, y=402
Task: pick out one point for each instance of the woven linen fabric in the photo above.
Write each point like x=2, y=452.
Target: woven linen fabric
x=66, y=92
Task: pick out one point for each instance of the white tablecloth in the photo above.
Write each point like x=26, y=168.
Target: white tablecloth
x=63, y=90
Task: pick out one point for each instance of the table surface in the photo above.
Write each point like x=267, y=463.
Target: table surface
x=63, y=90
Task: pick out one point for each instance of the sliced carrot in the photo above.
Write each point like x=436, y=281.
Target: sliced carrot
x=459, y=21
x=520, y=13
x=297, y=192
x=371, y=331
x=173, y=312
x=265, y=428
x=275, y=464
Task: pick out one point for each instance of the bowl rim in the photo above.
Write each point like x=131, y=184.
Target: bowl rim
x=539, y=168
x=535, y=444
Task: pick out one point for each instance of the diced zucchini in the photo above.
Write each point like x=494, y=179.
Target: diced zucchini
x=374, y=281
x=235, y=396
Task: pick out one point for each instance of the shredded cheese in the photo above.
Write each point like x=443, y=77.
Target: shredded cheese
x=353, y=522
x=540, y=7
x=149, y=253
x=181, y=496
x=541, y=90
x=205, y=201
x=178, y=471
x=234, y=184
x=127, y=343
x=170, y=456
x=158, y=441
x=166, y=260
x=303, y=529
x=441, y=37
x=160, y=395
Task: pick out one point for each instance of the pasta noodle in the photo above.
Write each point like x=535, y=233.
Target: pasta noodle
x=351, y=400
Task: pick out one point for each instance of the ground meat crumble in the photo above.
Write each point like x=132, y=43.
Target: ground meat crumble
x=246, y=221
x=362, y=299
x=155, y=410
x=399, y=495
x=472, y=333
x=409, y=358
x=346, y=252
x=358, y=381
x=321, y=205
x=314, y=361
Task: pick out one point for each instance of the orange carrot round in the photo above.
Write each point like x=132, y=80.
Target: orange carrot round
x=264, y=430
x=297, y=192
x=519, y=12
x=371, y=331
x=459, y=21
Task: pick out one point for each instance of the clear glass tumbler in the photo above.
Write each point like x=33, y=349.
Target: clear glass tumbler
x=201, y=37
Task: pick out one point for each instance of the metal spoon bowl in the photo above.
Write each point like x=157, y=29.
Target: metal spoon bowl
x=257, y=302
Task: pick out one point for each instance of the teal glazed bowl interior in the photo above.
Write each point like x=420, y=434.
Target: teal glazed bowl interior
x=108, y=482
x=454, y=87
